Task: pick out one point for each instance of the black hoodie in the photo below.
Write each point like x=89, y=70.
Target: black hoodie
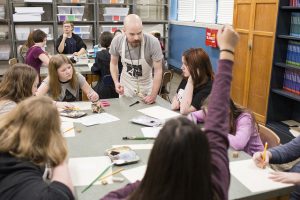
x=20, y=179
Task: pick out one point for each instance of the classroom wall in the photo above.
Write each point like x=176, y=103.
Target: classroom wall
x=182, y=37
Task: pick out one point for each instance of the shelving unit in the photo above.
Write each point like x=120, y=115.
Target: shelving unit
x=6, y=47
x=283, y=105
x=154, y=14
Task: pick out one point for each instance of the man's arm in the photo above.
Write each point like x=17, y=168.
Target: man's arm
x=82, y=51
x=156, y=82
x=61, y=45
x=114, y=71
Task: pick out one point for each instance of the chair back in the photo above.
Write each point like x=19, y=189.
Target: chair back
x=165, y=86
x=267, y=135
x=12, y=61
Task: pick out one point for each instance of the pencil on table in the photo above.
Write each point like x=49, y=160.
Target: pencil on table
x=113, y=173
x=68, y=130
x=265, y=151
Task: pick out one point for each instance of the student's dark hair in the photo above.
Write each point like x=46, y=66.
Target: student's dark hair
x=38, y=36
x=179, y=166
x=105, y=39
x=235, y=112
x=17, y=83
x=199, y=66
x=116, y=31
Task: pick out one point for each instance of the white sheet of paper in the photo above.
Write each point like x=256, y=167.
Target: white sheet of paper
x=101, y=118
x=82, y=105
x=84, y=170
x=135, y=146
x=135, y=174
x=68, y=119
x=254, y=178
x=159, y=112
x=150, y=131
x=65, y=129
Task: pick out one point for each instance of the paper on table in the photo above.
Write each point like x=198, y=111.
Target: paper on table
x=82, y=105
x=135, y=174
x=150, y=131
x=84, y=170
x=135, y=146
x=254, y=178
x=67, y=129
x=101, y=118
x=68, y=119
x=159, y=112
x=295, y=131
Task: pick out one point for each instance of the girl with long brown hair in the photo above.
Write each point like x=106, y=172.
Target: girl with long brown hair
x=197, y=82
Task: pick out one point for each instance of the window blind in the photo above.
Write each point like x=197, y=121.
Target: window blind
x=206, y=11
x=225, y=11
x=186, y=11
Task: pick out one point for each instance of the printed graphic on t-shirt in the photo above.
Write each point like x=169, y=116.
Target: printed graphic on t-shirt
x=69, y=96
x=134, y=70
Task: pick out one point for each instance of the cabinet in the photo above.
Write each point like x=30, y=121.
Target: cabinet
x=255, y=21
x=89, y=15
x=283, y=104
x=6, y=47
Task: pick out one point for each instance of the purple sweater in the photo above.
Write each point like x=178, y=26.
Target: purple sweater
x=246, y=137
x=216, y=129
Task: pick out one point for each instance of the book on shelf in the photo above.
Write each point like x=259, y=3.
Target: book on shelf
x=293, y=53
x=291, y=81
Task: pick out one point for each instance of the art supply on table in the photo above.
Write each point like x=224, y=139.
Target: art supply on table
x=265, y=152
x=113, y=173
x=117, y=179
x=122, y=155
x=68, y=130
x=137, y=102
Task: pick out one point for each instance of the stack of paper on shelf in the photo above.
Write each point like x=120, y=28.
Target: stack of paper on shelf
x=28, y=14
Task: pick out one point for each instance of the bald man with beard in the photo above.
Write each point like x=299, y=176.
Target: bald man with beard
x=141, y=55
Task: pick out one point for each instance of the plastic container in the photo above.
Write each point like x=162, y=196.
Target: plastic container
x=4, y=52
x=112, y=28
x=81, y=29
x=85, y=35
x=64, y=9
x=73, y=1
x=69, y=17
x=22, y=33
x=111, y=1
x=77, y=10
x=116, y=11
x=113, y=18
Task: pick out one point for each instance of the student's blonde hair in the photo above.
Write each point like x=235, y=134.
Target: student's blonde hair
x=56, y=62
x=31, y=131
x=17, y=82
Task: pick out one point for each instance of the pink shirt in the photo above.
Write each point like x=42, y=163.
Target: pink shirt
x=246, y=137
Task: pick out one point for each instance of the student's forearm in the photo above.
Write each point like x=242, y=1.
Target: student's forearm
x=187, y=98
x=82, y=51
x=175, y=103
x=61, y=46
x=61, y=174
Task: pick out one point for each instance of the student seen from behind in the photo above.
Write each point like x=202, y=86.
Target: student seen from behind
x=19, y=82
x=243, y=133
x=31, y=144
x=185, y=162
x=197, y=81
x=105, y=86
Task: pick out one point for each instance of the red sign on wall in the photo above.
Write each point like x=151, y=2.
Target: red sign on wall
x=211, y=37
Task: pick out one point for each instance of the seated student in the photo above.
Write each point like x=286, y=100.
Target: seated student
x=24, y=48
x=63, y=83
x=36, y=56
x=19, y=82
x=117, y=32
x=197, y=82
x=280, y=155
x=69, y=42
x=243, y=134
x=30, y=143
x=186, y=163
x=102, y=68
